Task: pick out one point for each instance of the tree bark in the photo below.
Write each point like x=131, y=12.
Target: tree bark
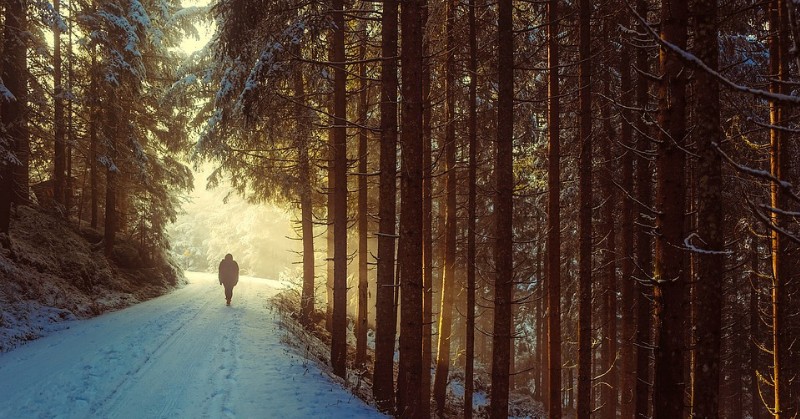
x=502, y=338
x=779, y=168
x=385, y=309
x=94, y=198
x=472, y=127
x=669, y=275
x=113, y=125
x=644, y=246
x=448, y=275
x=553, y=216
x=59, y=149
x=584, y=406
x=410, y=254
x=363, y=251
x=14, y=185
x=756, y=406
x=710, y=227
x=427, y=225
x=306, y=204
x=628, y=365
x=339, y=323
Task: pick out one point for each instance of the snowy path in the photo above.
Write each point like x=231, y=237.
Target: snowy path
x=183, y=355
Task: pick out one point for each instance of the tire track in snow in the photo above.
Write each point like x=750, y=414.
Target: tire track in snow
x=119, y=401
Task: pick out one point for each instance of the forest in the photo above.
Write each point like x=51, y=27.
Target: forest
x=592, y=205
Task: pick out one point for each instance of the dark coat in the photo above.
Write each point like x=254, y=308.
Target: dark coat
x=228, y=272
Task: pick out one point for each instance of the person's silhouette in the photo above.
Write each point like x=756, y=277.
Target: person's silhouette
x=228, y=276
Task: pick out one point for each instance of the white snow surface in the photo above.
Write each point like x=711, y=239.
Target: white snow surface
x=182, y=355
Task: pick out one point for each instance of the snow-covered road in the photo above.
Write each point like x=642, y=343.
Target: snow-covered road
x=183, y=355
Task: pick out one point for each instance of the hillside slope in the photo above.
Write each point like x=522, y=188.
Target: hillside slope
x=51, y=272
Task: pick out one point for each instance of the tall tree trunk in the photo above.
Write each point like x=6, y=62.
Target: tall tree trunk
x=363, y=251
x=553, y=216
x=541, y=339
x=710, y=227
x=331, y=202
x=627, y=359
x=385, y=308
x=757, y=407
x=306, y=203
x=779, y=168
x=472, y=127
x=59, y=151
x=94, y=121
x=70, y=187
x=610, y=391
x=644, y=246
x=5, y=147
x=14, y=185
x=668, y=272
x=339, y=323
x=427, y=225
x=585, y=213
x=113, y=125
x=448, y=275
x=410, y=254
x=504, y=247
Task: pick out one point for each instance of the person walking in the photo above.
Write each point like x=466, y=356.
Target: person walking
x=228, y=276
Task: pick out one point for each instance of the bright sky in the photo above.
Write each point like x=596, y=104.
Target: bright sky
x=206, y=29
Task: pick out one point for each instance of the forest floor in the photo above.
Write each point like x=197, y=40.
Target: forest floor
x=185, y=354
x=52, y=272
x=314, y=344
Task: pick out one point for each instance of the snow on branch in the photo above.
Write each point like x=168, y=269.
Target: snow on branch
x=693, y=60
x=49, y=17
x=783, y=232
x=787, y=186
x=6, y=94
x=687, y=243
x=268, y=62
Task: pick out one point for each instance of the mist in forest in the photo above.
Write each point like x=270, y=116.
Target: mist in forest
x=216, y=221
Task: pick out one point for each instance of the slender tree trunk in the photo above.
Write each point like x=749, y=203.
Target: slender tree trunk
x=610, y=391
x=59, y=159
x=644, y=246
x=737, y=364
x=670, y=278
x=70, y=187
x=410, y=254
x=502, y=338
x=628, y=361
x=306, y=204
x=363, y=251
x=339, y=329
x=427, y=226
x=331, y=201
x=93, y=123
x=385, y=308
x=585, y=213
x=541, y=346
x=472, y=127
x=15, y=110
x=779, y=168
x=5, y=166
x=553, y=216
x=710, y=227
x=448, y=274
x=113, y=124
x=757, y=407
